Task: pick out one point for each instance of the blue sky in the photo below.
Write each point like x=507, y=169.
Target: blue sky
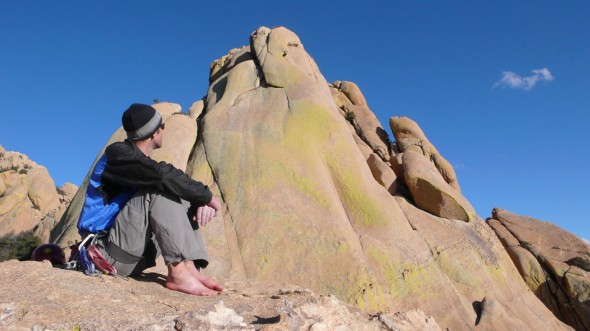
x=501, y=88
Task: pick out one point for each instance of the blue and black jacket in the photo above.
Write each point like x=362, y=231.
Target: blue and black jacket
x=119, y=173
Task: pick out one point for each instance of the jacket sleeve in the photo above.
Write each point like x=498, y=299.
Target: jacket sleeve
x=128, y=167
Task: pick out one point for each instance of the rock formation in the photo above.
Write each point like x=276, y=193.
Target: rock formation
x=554, y=263
x=315, y=195
x=29, y=199
x=410, y=138
x=350, y=100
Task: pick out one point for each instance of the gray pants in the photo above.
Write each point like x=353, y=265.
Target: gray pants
x=153, y=223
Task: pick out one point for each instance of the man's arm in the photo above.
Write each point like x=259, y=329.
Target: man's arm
x=129, y=167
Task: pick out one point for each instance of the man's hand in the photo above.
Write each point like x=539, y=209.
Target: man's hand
x=206, y=213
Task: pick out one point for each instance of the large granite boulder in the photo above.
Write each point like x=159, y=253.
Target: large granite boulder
x=430, y=192
x=410, y=137
x=429, y=177
x=554, y=263
x=304, y=202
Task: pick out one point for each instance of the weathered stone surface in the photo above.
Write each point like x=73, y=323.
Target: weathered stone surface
x=396, y=163
x=339, y=98
x=227, y=62
x=178, y=139
x=476, y=266
x=48, y=221
x=68, y=191
x=409, y=136
x=382, y=173
x=13, y=195
x=554, y=263
x=532, y=272
x=2, y=186
x=493, y=317
x=41, y=189
x=431, y=192
x=196, y=109
x=166, y=109
x=64, y=231
x=364, y=148
x=353, y=106
x=37, y=296
x=19, y=218
x=352, y=92
x=242, y=78
x=409, y=321
x=282, y=58
x=507, y=239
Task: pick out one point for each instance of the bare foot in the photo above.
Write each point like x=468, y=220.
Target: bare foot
x=181, y=279
x=209, y=283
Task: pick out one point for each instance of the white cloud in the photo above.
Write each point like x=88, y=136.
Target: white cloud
x=513, y=80
x=587, y=241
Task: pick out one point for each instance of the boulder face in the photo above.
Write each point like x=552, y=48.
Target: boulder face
x=554, y=263
x=351, y=102
x=308, y=198
x=29, y=199
x=409, y=137
x=430, y=192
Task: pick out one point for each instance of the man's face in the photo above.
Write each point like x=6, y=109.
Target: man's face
x=158, y=137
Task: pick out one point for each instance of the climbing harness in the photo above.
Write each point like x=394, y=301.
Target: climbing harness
x=88, y=258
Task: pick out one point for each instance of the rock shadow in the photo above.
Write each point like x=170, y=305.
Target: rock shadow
x=267, y=320
x=477, y=307
x=152, y=277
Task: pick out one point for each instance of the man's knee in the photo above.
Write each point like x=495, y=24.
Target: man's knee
x=165, y=200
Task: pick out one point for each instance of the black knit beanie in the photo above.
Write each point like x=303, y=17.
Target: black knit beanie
x=141, y=121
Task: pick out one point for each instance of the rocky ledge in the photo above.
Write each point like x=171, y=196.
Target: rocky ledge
x=38, y=297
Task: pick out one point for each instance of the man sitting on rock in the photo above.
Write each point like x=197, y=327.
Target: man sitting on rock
x=137, y=200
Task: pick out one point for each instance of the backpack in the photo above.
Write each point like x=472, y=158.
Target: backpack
x=95, y=220
x=97, y=215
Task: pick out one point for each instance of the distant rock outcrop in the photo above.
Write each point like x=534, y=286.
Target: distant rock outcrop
x=29, y=199
x=554, y=263
x=302, y=169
